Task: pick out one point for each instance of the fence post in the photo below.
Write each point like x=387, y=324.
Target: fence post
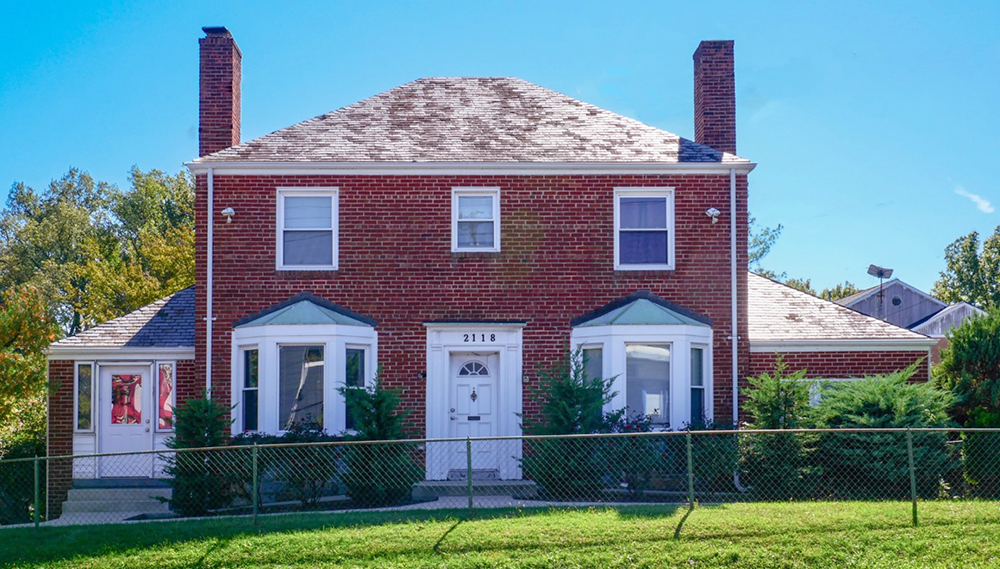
x=690, y=472
x=256, y=485
x=38, y=492
x=913, y=473
x=468, y=470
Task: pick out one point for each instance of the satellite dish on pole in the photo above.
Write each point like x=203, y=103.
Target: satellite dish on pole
x=882, y=273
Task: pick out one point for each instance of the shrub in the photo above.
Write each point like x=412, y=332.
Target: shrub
x=981, y=455
x=17, y=482
x=202, y=481
x=875, y=465
x=632, y=461
x=378, y=474
x=571, y=403
x=970, y=366
x=776, y=466
x=307, y=471
x=714, y=458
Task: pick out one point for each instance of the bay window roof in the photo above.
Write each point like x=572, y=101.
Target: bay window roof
x=303, y=309
x=642, y=308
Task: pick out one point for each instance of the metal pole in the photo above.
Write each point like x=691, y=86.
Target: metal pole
x=38, y=492
x=468, y=470
x=690, y=469
x=256, y=485
x=913, y=473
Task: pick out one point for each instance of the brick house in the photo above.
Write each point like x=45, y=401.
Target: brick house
x=454, y=234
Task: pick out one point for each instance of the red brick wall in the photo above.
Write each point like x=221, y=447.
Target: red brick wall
x=715, y=95
x=843, y=364
x=61, y=417
x=396, y=264
x=219, y=96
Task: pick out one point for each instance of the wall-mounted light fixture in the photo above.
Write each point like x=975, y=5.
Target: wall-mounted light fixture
x=228, y=213
x=714, y=214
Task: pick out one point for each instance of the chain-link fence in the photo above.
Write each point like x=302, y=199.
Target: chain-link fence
x=903, y=466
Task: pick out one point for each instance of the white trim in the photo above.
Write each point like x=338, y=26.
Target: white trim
x=76, y=393
x=734, y=306
x=240, y=385
x=268, y=339
x=246, y=168
x=118, y=353
x=655, y=192
x=614, y=339
x=506, y=341
x=209, y=283
x=459, y=192
x=908, y=345
x=279, y=225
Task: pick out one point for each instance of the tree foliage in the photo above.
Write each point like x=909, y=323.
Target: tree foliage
x=970, y=367
x=838, y=292
x=761, y=241
x=973, y=271
x=26, y=328
x=94, y=251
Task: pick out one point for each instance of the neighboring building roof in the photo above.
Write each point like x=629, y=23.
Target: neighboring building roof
x=863, y=294
x=958, y=311
x=166, y=323
x=304, y=308
x=641, y=308
x=471, y=119
x=778, y=312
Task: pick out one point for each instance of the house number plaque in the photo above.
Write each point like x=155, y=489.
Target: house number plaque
x=479, y=337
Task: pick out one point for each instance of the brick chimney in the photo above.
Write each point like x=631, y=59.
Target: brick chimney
x=219, y=93
x=715, y=95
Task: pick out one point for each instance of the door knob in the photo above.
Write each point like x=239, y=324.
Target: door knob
x=147, y=429
x=452, y=417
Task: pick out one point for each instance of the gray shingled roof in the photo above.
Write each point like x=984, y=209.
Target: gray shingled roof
x=166, y=323
x=471, y=119
x=779, y=312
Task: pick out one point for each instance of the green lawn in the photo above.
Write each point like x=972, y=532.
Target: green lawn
x=951, y=534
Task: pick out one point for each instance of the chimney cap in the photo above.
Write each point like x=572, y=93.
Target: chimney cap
x=217, y=31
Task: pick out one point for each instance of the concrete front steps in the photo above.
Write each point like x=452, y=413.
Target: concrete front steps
x=116, y=499
x=517, y=489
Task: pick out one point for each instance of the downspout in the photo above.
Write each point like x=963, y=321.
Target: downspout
x=208, y=285
x=734, y=330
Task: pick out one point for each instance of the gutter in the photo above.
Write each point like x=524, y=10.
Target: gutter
x=209, y=318
x=734, y=330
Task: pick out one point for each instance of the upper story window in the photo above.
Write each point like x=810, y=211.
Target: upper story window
x=644, y=229
x=475, y=220
x=307, y=229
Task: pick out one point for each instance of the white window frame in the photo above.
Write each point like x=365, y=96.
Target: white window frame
x=705, y=394
x=335, y=338
x=680, y=338
x=659, y=192
x=282, y=193
x=241, y=387
x=76, y=396
x=456, y=193
x=156, y=393
x=341, y=381
x=325, y=345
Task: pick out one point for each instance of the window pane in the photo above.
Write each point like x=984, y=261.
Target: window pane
x=300, y=385
x=354, y=377
x=642, y=248
x=697, y=405
x=250, y=369
x=83, y=395
x=475, y=234
x=308, y=212
x=697, y=367
x=475, y=207
x=165, y=411
x=249, y=409
x=593, y=363
x=647, y=381
x=308, y=248
x=126, y=397
x=643, y=213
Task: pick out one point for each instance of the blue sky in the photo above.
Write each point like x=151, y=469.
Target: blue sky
x=875, y=126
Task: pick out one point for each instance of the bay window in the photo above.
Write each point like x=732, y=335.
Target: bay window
x=647, y=381
x=300, y=385
x=250, y=398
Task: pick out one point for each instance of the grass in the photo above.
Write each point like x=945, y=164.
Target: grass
x=855, y=534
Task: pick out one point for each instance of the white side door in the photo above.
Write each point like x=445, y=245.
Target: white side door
x=126, y=420
x=473, y=407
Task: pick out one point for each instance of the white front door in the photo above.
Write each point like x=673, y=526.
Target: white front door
x=474, y=380
x=126, y=420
